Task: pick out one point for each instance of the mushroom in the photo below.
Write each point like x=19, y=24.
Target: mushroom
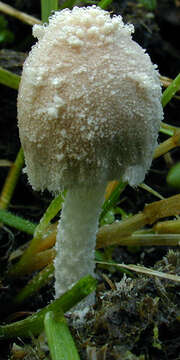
x=89, y=111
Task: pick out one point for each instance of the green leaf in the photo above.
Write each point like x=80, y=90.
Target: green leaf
x=35, y=284
x=34, y=324
x=68, y=4
x=103, y=4
x=9, y=79
x=47, y=6
x=113, y=199
x=170, y=91
x=6, y=35
x=173, y=177
x=60, y=341
x=149, y=4
x=17, y=222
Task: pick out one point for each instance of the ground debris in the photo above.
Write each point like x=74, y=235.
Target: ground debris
x=137, y=320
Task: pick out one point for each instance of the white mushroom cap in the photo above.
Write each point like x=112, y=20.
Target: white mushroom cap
x=89, y=106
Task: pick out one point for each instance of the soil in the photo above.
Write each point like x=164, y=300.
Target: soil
x=137, y=319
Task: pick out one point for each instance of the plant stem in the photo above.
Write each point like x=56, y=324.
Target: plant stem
x=47, y=6
x=59, y=338
x=168, y=227
x=10, y=79
x=170, y=91
x=17, y=222
x=144, y=270
x=68, y=4
x=103, y=4
x=23, y=265
x=117, y=232
x=9, y=10
x=11, y=180
x=37, y=282
x=34, y=323
x=112, y=200
x=167, y=145
x=52, y=210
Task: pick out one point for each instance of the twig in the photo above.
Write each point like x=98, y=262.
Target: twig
x=9, y=10
x=167, y=145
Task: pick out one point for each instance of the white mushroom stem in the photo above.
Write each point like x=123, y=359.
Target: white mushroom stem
x=76, y=236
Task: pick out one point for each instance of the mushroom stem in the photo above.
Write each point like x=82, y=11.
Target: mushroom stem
x=76, y=236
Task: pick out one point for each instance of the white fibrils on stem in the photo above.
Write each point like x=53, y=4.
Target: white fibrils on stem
x=76, y=236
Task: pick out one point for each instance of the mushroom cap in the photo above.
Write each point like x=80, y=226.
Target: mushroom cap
x=89, y=106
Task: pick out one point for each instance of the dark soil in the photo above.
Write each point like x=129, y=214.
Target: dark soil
x=138, y=319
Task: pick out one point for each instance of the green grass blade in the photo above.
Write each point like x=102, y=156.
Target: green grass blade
x=112, y=201
x=35, y=284
x=150, y=5
x=168, y=129
x=173, y=177
x=52, y=210
x=11, y=180
x=60, y=341
x=69, y=4
x=170, y=91
x=47, y=6
x=50, y=213
x=103, y=4
x=34, y=324
x=9, y=79
x=17, y=222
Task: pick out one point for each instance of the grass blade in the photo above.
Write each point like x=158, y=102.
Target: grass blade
x=47, y=6
x=68, y=4
x=9, y=79
x=60, y=341
x=50, y=213
x=104, y=3
x=35, y=284
x=11, y=180
x=112, y=200
x=144, y=270
x=17, y=222
x=34, y=324
x=11, y=11
x=52, y=210
x=170, y=91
